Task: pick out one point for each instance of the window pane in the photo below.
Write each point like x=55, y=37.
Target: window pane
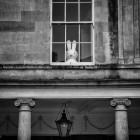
x=72, y=0
x=85, y=12
x=85, y=52
x=58, y=12
x=58, y=52
x=72, y=12
x=85, y=33
x=85, y=0
x=58, y=0
x=72, y=33
x=58, y=33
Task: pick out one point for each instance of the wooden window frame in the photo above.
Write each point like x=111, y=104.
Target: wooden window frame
x=77, y=22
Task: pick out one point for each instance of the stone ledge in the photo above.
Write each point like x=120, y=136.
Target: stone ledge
x=58, y=67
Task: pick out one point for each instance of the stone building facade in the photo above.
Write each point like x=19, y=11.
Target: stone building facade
x=103, y=95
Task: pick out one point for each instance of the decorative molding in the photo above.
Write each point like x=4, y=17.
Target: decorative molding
x=120, y=101
x=40, y=120
x=28, y=101
x=87, y=120
x=7, y=120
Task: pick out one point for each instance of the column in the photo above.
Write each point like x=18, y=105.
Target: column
x=24, y=124
x=121, y=119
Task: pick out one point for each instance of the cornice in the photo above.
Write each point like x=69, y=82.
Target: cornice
x=98, y=75
x=66, y=67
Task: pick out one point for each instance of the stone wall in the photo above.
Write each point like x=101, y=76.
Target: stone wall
x=25, y=31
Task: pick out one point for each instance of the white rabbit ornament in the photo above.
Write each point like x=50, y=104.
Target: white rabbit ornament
x=71, y=54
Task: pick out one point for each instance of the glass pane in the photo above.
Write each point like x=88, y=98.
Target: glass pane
x=58, y=12
x=72, y=0
x=72, y=12
x=73, y=52
x=58, y=33
x=85, y=52
x=72, y=32
x=58, y=52
x=85, y=0
x=58, y=0
x=85, y=12
x=85, y=33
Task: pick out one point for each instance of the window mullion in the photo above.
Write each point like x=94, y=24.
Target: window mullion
x=65, y=31
x=79, y=30
x=65, y=40
x=79, y=44
x=79, y=10
x=93, y=37
x=65, y=12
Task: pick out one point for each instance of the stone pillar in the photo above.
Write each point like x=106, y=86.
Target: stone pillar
x=24, y=124
x=121, y=119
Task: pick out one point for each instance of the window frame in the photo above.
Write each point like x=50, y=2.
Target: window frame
x=73, y=22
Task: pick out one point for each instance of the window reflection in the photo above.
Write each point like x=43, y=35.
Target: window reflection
x=85, y=33
x=58, y=12
x=85, y=12
x=58, y=52
x=72, y=12
x=85, y=52
x=58, y=33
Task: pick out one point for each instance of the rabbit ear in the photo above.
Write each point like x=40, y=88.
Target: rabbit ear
x=69, y=45
x=74, y=45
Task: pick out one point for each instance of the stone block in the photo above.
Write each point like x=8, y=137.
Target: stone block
x=42, y=5
x=101, y=26
x=27, y=5
x=101, y=3
x=10, y=5
x=99, y=48
x=101, y=14
x=34, y=16
x=128, y=14
x=15, y=26
x=10, y=54
x=10, y=15
x=42, y=29
x=38, y=53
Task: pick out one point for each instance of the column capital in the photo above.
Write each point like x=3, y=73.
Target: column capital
x=21, y=101
x=120, y=101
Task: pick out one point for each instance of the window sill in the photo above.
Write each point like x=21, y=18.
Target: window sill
x=72, y=63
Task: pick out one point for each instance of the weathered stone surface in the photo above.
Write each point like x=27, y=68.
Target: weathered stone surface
x=34, y=16
x=10, y=15
x=15, y=26
x=37, y=53
x=99, y=49
x=42, y=5
x=129, y=30
x=101, y=26
x=101, y=14
x=121, y=118
x=101, y=3
x=10, y=5
x=27, y=5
